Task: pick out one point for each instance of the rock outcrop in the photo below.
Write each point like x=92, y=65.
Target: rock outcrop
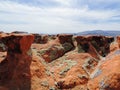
x=2, y=45
x=115, y=45
x=65, y=44
x=107, y=74
x=52, y=53
x=118, y=41
x=15, y=68
x=40, y=39
x=80, y=63
x=66, y=41
x=95, y=45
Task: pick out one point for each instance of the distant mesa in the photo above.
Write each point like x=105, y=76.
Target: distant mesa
x=19, y=32
x=100, y=32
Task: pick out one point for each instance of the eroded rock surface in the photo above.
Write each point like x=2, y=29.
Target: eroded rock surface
x=63, y=45
x=63, y=62
x=41, y=39
x=118, y=41
x=15, y=68
x=107, y=75
x=94, y=45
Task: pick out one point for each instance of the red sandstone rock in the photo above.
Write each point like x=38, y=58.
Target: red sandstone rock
x=66, y=41
x=74, y=71
x=41, y=39
x=115, y=45
x=94, y=44
x=107, y=75
x=17, y=43
x=15, y=68
x=118, y=40
x=52, y=53
x=65, y=38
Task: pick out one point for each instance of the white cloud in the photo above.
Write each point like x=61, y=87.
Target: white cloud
x=64, y=2
x=54, y=20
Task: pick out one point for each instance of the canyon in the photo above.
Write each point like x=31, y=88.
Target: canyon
x=59, y=62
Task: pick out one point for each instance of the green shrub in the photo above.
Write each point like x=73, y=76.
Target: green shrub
x=42, y=51
x=67, y=46
x=70, y=64
x=82, y=76
x=80, y=49
x=45, y=83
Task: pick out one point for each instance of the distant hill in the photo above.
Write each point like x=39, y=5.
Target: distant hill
x=100, y=32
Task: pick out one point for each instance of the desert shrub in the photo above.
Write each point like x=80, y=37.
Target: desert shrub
x=67, y=46
x=45, y=83
x=53, y=52
x=42, y=52
x=94, y=43
x=82, y=76
x=52, y=88
x=48, y=72
x=29, y=52
x=89, y=65
x=2, y=47
x=60, y=84
x=57, y=52
x=70, y=64
x=80, y=49
x=64, y=70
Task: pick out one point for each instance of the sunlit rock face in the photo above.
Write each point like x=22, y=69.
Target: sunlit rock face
x=64, y=45
x=118, y=41
x=17, y=43
x=115, y=45
x=107, y=74
x=15, y=68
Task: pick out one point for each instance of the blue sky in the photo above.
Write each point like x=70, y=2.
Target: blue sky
x=59, y=16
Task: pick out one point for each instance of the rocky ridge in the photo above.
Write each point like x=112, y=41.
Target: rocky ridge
x=59, y=62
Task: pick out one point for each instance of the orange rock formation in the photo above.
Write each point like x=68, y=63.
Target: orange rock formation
x=61, y=62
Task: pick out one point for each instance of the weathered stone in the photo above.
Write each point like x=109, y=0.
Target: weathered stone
x=94, y=44
x=40, y=39
x=15, y=68
x=118, y=40
x=66, y=41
